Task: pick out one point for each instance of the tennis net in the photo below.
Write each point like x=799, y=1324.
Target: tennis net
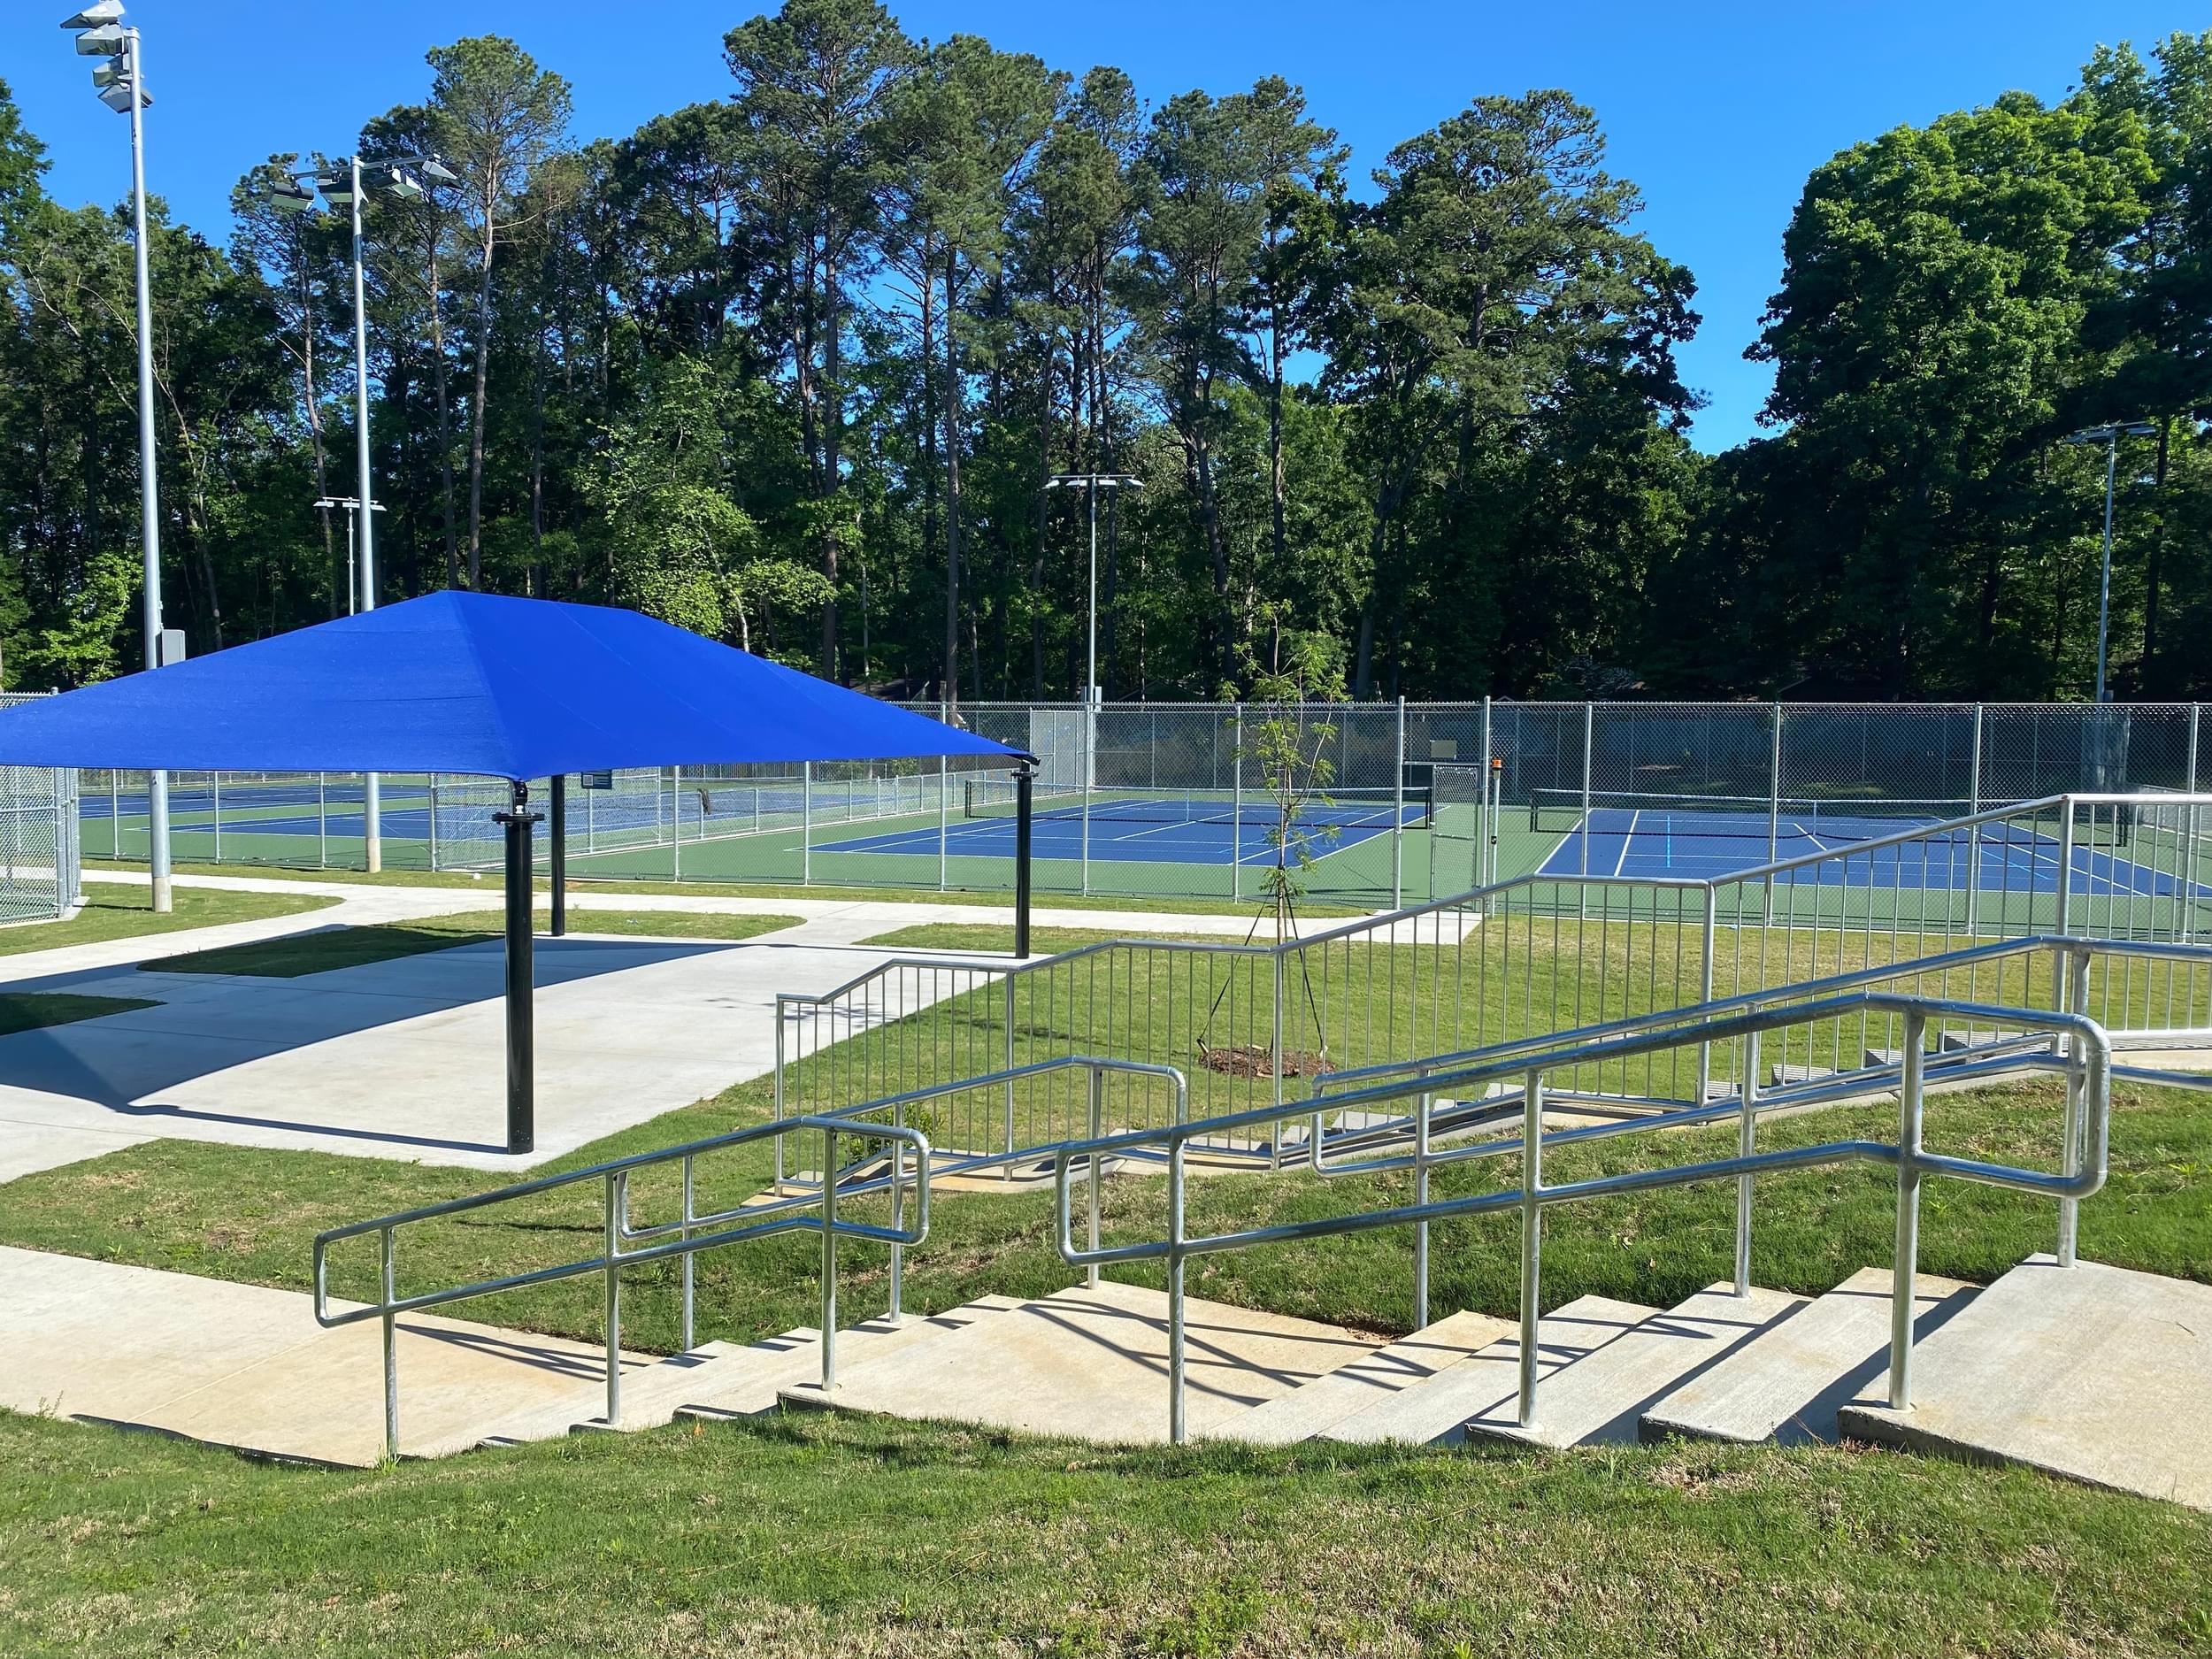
x=1337, y=809
x=1734, y=817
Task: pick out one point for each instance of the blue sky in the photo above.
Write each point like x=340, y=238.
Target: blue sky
x=1717, y=110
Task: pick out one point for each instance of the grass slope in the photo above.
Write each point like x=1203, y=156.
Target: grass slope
x=249, y=1215
x=809, y=1535
x=113, y=911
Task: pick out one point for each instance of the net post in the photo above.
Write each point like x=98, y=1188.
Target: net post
x=1398, y=817
x=1482, y=804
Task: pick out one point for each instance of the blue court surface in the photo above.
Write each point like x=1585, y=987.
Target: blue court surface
x=1702, y=846
x=1163, y=832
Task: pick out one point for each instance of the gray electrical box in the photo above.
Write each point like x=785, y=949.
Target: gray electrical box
x=169, y=647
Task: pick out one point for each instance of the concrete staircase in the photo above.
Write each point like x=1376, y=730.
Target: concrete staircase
x=2093, y=1372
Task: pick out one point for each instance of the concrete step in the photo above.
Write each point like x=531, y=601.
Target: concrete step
x=1368, y=1381
x=2096, y=1373
x=798, y=1377
x=1600, y=1398
x=1093, y=1364
x=1487, y=1382
x=1786, y=1383
x=650, y=1395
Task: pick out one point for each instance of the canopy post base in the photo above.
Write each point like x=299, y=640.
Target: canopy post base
x=1025, y=781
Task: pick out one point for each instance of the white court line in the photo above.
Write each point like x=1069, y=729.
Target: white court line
x=1627, y=840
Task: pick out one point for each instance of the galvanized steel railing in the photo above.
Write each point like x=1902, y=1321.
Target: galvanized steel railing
x=1523, y=958
x=2087, y=1063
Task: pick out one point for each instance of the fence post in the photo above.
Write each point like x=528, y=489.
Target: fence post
x=806, y=822
x=322, y=820
x=1398, y=817
x=1098, y=1114
x=1708, y=927
x=1904, y=1269
x=1974, y=833
x=1482, y=807
x=944, y=779
x=2194, y=818
x=1589, y=763
x=898, y=1311
x=1175, y=1416
x=1236, y=802
x=1532, y=1238
x=676, y=821
x=215, y=792
x=434, y=820
x=1774, y=790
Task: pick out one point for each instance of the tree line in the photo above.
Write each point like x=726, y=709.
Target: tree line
x=794, y=368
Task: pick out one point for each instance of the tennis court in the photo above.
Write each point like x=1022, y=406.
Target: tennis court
x=1189, y=826
x=1700, y=840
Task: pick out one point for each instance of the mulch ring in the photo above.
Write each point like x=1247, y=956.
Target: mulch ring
x=1254, y=1060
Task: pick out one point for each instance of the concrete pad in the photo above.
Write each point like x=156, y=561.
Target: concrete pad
x=1488, y=1384
x=1787, y=1383
x=2095, y=1373
x=247, y=1367
x=1601, y=1399
x=1351, y=1389
x=1094, y=1364
x=406, y=1058
x=26, y=1148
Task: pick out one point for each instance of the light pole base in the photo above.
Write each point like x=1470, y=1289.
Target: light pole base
x=165, y=900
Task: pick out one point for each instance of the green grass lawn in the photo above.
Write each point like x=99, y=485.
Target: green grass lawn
x=114, y=911
x=805, y=1535
x=351, y=946
x=28, y=1011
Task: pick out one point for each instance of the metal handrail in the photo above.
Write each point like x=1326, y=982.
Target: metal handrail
x=615, y=1174
x=2086, y=1157
x=1324, y=1083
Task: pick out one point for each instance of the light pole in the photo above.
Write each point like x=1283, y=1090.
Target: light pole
x=1091, y=483
x=121, y=81
x=2109, y=435
x=343, y=189
x=352, y=505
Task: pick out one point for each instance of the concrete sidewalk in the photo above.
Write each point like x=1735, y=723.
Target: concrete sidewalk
x=406, y=1058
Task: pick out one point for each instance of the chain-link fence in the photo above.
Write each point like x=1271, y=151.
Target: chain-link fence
x=39, y=875
x=1379, y=804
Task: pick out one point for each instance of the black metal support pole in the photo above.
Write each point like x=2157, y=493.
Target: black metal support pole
x=522, y=1132
x=556, y=833
x=1024, y=778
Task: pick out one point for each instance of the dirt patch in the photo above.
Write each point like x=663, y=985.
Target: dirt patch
x=1252, y=1060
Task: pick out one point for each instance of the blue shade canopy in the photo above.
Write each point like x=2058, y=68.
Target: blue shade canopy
x=461, y=682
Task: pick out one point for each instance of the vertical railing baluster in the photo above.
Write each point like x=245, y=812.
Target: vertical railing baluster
x=829, y=1258
x=388, y=1276
x=618, y=1197
x=1904, y=1268
x=1747, y=1140
x=1532, y=1238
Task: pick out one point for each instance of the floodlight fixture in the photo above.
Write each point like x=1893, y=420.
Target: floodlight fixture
x=337, y=188
x=287, y=196
x=108, y=71
x=94, y=17
x=404, y=185
x=104, y=42
x=117, y=97
x=438, y=173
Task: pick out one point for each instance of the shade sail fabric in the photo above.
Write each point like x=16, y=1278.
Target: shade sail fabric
x=462, y=682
